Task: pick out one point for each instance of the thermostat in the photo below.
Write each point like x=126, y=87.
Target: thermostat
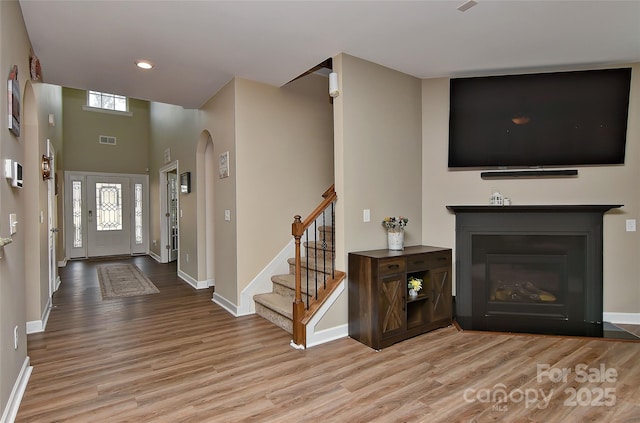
x=13, y=172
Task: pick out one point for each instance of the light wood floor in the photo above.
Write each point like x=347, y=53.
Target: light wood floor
x=177, y=357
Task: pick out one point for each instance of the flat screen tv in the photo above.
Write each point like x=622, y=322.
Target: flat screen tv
x=536, y=120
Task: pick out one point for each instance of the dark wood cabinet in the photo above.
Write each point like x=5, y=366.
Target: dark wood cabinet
x=381, y=312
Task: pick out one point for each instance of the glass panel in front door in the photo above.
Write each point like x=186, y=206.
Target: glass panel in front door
x=108, y=207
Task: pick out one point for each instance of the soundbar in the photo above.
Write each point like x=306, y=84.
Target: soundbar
x=529, y=174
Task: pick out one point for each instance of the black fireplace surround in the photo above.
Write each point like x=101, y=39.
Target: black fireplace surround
x=530, y=269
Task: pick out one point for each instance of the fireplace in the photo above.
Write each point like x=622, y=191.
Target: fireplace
x=530, y=269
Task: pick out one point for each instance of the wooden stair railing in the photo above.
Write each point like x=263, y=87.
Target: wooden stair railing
x=303, y=311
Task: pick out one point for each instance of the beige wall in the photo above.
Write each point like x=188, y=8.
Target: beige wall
x=284, y=163
x=381, y=151
x=14, y=50
x=219, y=121
x=82, y=129
x=181, y=131
x=176, y=129
x=378, y=159
x=45, y=99
x=594, y=185
x=281, y=161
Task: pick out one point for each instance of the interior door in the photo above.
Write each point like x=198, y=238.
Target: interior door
x=108, y=216
x=172, y=215
x=52, y=221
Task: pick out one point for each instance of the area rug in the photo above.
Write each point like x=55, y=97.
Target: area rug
x=123, y=280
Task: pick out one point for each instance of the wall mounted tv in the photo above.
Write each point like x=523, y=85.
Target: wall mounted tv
x=537, y=120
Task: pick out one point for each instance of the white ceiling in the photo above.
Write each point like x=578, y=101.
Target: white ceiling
x=199, y=46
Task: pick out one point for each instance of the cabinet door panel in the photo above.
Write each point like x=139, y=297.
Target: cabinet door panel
x=441, y=299
x=392, y=306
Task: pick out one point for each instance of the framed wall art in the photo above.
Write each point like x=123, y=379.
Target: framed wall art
x=185, y=182
x=13, y=101
x=35, y=69
x=224, y=165
x=46, y=167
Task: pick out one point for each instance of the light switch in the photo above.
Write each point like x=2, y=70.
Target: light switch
x=227, y=215
x=366, y=215
x=631, y=225
x=8, y=168
x=13, y=223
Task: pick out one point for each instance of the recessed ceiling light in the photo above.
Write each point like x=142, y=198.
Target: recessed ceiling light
x=143, y=64
x=467, y=5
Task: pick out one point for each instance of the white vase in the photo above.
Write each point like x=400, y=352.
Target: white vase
x=396, y=240
x=413, y=293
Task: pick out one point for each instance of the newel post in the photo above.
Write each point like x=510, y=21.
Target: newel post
x=299, y=335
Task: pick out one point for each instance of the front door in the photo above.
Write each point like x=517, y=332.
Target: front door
x=108, y=216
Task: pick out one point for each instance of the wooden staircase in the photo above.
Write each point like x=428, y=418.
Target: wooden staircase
x=297, y=296
x=277, y=305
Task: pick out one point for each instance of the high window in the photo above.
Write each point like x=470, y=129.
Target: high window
x=107, y=101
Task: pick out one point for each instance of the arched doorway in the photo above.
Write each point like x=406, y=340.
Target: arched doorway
x=206, y=173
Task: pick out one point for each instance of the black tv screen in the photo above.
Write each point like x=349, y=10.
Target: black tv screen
x=537, y=120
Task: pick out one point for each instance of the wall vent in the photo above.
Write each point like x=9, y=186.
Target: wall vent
x=104, y=139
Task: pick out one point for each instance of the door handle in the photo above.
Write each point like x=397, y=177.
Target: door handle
x=90, y=213
x=55, y=230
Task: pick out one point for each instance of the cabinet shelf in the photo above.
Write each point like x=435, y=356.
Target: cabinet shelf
x=420, y=297
x=381, y=312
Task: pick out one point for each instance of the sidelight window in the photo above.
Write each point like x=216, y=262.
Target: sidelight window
x=137, y=192
x=76, y=199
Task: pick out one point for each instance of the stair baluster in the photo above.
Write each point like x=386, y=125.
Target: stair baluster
x=313, y=268
x=318, y=232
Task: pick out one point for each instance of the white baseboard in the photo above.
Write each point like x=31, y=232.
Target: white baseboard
x=624, y=318
x=323, y=336
x=226, y=304
x=62, y=263
x=193, y=282
x=327, y=335
x=11, y=410
x=58, y=282
x=155, y=256
x=36, y=326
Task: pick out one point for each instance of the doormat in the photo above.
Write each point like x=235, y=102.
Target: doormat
x=123, y=280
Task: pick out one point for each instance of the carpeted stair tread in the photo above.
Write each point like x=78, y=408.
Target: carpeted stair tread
x=288, y=283
x=318, y=244
x=318, y=248
x=313, y=263
x=275, y=308
x=326, y=232
x=278, y=303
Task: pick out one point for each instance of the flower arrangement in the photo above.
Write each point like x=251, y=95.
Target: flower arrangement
x=395, y=224
x=415, y=283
